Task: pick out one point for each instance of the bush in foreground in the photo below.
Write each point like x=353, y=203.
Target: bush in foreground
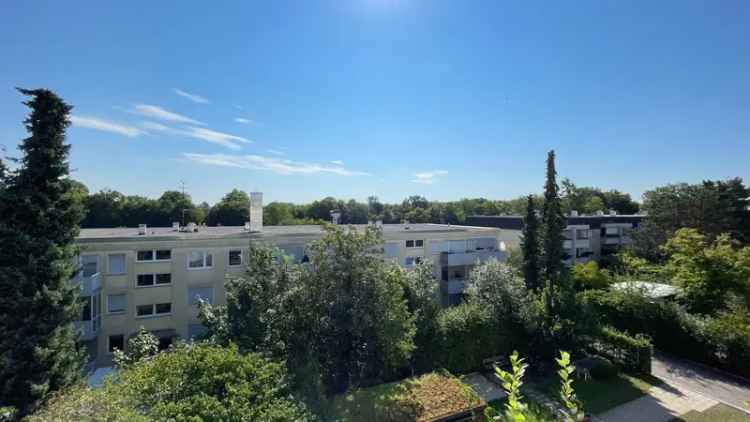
x=196, y=382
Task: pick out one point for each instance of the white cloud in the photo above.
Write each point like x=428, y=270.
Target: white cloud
x=162, y=114
x=337, y=162
x=272, y=164
x=275, y=152
x=91, y=122
x=220, y=138
x=192, y=97
x=427, y=177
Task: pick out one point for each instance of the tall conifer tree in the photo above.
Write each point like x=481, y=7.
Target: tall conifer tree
x=553, y=224
x=530, y=246
x=38, y=225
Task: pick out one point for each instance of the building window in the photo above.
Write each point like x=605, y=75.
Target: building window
x=86, y=313
x=144, y=310
x=165, y=278
x=235, y=257
x=90, y=265
x=582, y=234
x=145, y=280
x=154, y=255
x=458, y=275
x=116, y=342
x=153, y=310
x=419, y=243
x=204, y=293
x=200, y=259
x=116, y=264
x=409, y=261
x=116, y=304
x=163, y=308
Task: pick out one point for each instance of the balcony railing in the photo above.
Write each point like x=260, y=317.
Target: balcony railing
x=89, y=285
x=451, y=259
x=89, y=329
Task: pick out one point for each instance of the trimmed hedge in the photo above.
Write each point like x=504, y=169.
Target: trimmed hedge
x=633, y=354
x=468, y=335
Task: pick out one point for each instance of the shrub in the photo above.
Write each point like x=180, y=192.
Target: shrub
x=603, y=369
x=632, y=353
x=468, y=335
x=589, y=276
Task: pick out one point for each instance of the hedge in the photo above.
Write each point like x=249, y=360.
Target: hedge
x=631, y=353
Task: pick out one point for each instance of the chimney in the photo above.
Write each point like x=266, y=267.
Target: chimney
x=256, y=211
x=574, y=213
x=600, y=212
x=191, y=227
x=176, y=226
x=142, y=229
x=612, y=212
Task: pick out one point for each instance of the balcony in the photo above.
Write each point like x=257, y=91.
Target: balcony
x=567, y=244
x=456, y=286
x=89, y=285
x=452, y=259
x=612, y=240
x=88, y=329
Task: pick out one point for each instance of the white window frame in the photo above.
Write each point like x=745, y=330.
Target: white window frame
x=153, y=254
x=124, y=263
x=124, y=310
x=229, y=258
x=414, y=244
x=153, y=313
x=205, y=255
x=154, y=283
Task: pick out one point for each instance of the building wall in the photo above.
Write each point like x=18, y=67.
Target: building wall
x=183, y=315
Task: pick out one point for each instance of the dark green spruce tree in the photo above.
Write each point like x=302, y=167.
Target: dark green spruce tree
x=39, y=218
x=553, y=224
x=530, y=246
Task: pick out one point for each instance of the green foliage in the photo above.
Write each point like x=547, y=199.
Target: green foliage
x=530, y=247
x=711, y=207
x=232, y=210
x=632, y=353
x=39, y=216
x=468, y=334
x=603, y=369
x=422, y=297
x=590, y=276
x=140, y=346
x=589, y=200
x=553, y=224
x=709, y=273
x=512, y=382
x=191, y=382
x=567, y=393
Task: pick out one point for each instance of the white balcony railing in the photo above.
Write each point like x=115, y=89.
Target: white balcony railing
x=611, y=240
x=88, y=329
x=470, y=258
x=89, y=285
x=567, y=244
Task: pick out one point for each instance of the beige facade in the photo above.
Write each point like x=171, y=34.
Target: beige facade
x=151, y=280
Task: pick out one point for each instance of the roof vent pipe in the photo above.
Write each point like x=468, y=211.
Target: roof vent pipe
x=142, y=229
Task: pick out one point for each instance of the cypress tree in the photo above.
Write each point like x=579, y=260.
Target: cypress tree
x=39, y=352
x=553, y=224
x=530, y=246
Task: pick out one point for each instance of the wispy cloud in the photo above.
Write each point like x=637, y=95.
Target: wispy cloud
x=337, y=162
x=220, y=138
x=159, y=113
x=275, y=152
x=96, y=123
x=192, y=97
x=427, y=177
x=272, y=164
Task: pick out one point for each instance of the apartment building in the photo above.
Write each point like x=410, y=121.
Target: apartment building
x=587, y=237
x=152, y=277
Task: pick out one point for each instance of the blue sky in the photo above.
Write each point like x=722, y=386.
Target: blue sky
x=445, y=99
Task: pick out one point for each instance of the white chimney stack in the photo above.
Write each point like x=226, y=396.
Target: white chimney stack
x=142, y=229
x=574, y=213
x=256, y=211
x=335, y=217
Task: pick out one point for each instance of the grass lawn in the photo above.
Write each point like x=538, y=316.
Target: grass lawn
x=720, y=412
x=601, y=395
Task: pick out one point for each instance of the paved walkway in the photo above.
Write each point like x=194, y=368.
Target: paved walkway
x=687, y=386
x=701, y=379
x=487, y=390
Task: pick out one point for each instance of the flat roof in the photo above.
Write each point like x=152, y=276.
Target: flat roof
x=212, y=232
x=515, y=222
